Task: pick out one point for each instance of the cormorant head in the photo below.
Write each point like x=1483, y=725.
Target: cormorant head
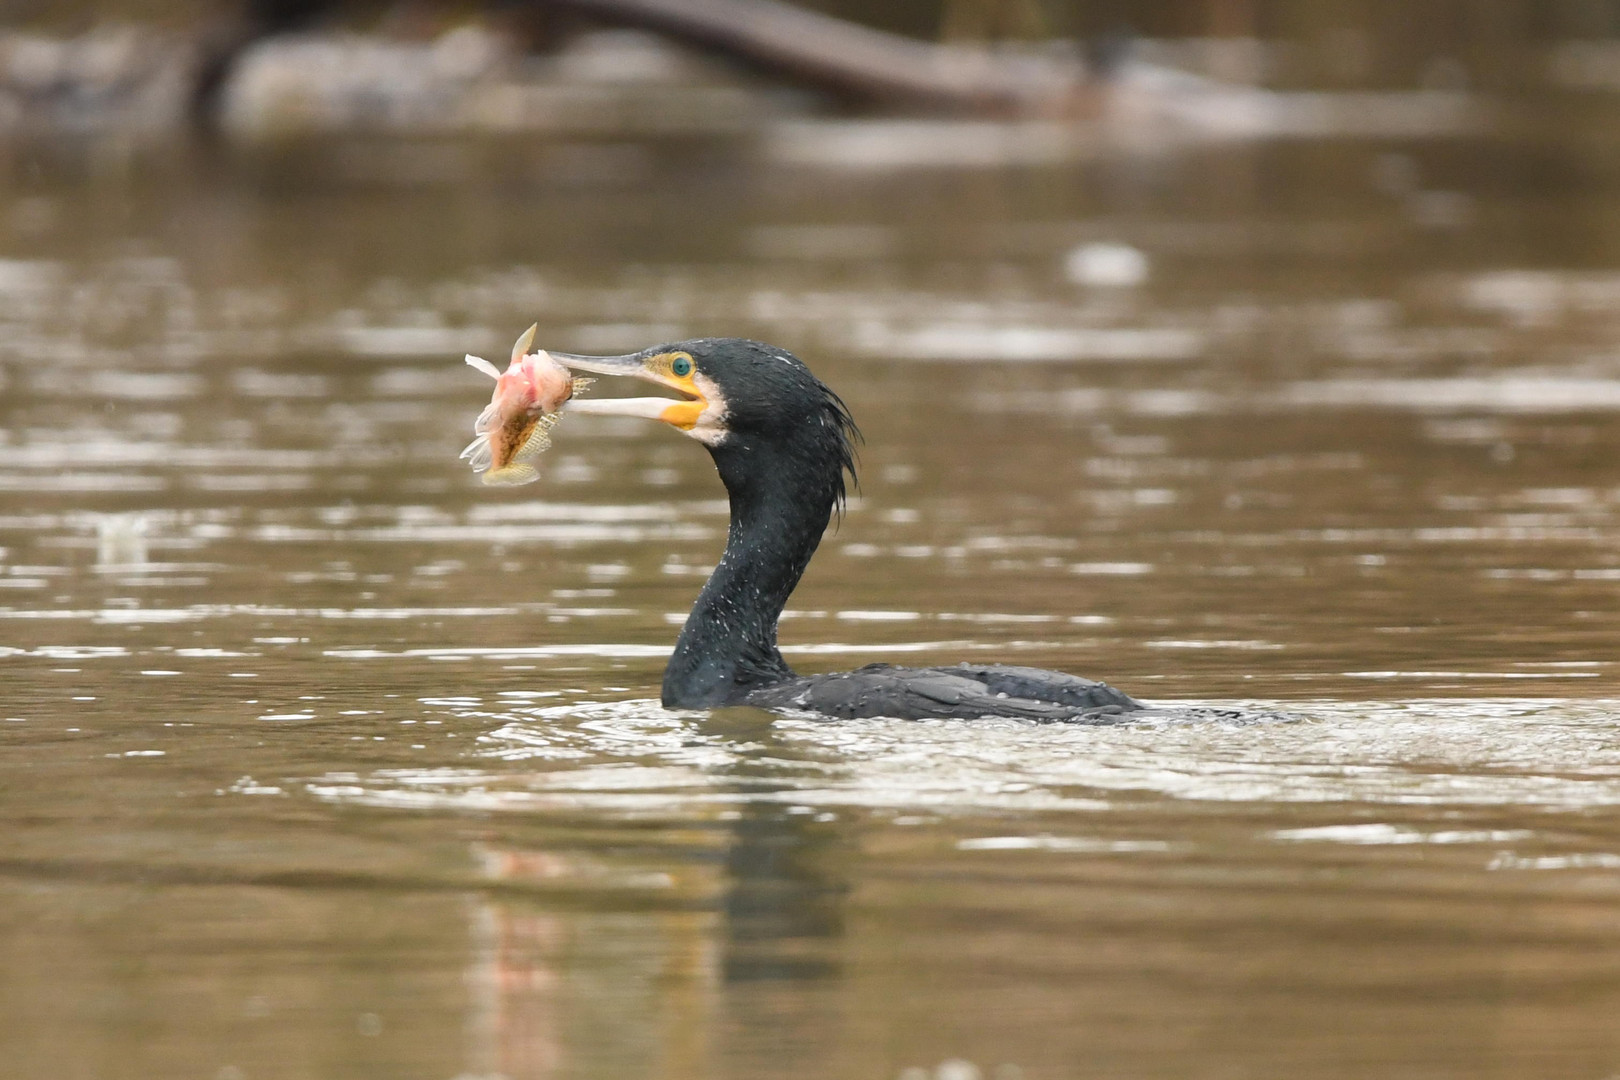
x=740, y=399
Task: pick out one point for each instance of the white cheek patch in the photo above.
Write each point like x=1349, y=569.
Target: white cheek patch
x=710, y=429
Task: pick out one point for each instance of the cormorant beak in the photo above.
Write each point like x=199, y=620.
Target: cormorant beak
x=684, y=413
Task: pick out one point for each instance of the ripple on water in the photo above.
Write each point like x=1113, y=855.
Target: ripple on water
x=634, y=757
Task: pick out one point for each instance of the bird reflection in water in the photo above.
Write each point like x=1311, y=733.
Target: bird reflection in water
x=716, y=956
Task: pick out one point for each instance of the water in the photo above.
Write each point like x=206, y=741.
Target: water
x=322, y=760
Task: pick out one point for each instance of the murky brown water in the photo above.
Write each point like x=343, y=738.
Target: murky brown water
x=320, y=760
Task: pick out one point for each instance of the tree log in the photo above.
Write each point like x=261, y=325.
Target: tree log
x=854, y=60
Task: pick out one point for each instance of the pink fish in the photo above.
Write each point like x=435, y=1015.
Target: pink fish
x=514, y=426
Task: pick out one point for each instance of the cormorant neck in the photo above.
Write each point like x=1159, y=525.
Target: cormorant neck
x=781, y=500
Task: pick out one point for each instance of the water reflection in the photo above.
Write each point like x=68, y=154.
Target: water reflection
x=121, y=540
x=766, y=896
x=753, y=904
x=540, y=985
x=318, y=752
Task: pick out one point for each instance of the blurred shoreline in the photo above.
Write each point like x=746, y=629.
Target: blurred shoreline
x=136, y=87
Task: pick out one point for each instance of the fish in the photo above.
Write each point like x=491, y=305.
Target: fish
x=515, y=426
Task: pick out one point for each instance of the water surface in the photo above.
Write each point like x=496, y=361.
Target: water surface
x=323, y=760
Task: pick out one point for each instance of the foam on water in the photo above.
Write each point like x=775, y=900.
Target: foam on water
x=1554, y=755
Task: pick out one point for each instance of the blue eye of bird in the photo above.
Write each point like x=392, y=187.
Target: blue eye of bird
x=682, y=367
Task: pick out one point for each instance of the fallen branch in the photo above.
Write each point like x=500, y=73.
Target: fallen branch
x=851, y=59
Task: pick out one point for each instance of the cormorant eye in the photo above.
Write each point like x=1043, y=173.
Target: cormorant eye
x=681, y=366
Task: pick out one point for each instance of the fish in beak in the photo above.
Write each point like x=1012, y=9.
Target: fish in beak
x=514, y=427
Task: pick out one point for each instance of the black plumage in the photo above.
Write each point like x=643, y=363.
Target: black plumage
x=783, y=443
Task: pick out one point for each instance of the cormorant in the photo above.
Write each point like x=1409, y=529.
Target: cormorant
x=783, y=442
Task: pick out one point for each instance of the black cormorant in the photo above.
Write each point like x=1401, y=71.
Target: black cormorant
x=783, y=443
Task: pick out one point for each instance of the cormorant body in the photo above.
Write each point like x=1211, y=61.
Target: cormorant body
x=783, y=443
